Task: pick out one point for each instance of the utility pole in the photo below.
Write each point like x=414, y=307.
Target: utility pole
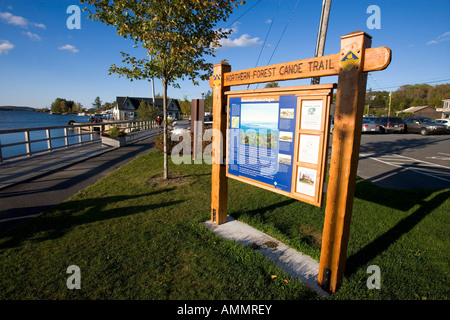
x=390, y=100
x=322, y=34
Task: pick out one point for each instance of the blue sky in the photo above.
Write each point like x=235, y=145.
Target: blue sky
x=41, y=59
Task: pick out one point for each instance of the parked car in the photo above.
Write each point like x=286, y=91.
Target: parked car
x=370, y=126
x=390, y=124
x=96, y=119
x=180, y=128
x=445, y=122
x=423, y=125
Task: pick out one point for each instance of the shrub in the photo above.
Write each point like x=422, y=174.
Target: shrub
x=114, y=132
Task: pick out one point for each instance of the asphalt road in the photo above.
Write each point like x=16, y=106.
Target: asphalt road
x=24, y=201
x=405, y=161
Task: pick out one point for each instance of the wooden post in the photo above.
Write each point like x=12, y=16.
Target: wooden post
x=344, y=159
x=219, y=189
x=197, y=120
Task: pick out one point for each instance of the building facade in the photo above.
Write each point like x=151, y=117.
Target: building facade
x=127, y=107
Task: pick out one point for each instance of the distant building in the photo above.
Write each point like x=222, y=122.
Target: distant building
x=127, y=107
x=423, y=111
x=446, y=109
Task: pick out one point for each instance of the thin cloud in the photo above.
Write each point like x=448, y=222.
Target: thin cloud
x=9, y=18
x=69, y=47
x=5, y=46
x=40, y=25
x=32, y=36
x=443, y=37
x=242, y=41
x=19, y=21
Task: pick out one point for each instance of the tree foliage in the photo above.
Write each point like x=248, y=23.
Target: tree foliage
x=185, y=105
x=208, y=101
x=61, y=105
x=176, y=34
x=409, y=96
x=147, y=111
x=273, y=84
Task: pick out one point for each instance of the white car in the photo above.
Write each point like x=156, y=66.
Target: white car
x=446, y=122
x=180, y=129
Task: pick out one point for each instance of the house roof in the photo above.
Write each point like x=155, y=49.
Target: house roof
x=415, y=109
x=136, y=101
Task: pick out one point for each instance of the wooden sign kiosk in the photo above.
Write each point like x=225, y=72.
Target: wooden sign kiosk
x=351, y=64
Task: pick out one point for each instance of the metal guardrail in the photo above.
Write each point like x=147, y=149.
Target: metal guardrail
x=91, y=130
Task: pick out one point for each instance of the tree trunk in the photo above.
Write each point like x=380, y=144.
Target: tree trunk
x=166, y=161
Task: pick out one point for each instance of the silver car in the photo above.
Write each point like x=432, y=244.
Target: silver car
x=423, y=125
x=369, y=125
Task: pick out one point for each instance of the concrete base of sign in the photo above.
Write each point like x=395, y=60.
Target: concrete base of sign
x=291, y=261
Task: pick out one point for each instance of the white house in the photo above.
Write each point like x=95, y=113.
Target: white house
x=127, y=107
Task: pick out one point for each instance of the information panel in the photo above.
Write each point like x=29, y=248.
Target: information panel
x=277, y=139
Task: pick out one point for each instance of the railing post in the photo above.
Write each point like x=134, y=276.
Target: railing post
x=49, y=140
x=27, y=141
x=1, y=156
x=66, y=137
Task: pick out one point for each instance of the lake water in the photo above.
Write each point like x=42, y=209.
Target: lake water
x=31, y=119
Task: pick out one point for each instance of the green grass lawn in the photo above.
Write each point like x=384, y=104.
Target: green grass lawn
x=136, y=237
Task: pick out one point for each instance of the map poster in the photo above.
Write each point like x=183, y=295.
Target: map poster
x=262, y=139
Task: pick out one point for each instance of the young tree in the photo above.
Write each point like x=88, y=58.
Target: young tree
x=176, y=34
x=185, y=105
x=208, y=101
x=146, y=111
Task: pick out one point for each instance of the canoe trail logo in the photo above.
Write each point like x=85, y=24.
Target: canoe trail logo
x=349, y=60
x=216, y=80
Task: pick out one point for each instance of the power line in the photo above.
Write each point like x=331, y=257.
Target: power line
x=267, y=35
x=244, y=13
x=292, y=13
x=282, y=33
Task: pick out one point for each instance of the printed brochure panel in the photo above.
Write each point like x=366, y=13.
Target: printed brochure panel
x=262, y=139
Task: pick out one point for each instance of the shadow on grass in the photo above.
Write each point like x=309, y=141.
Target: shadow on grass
x=392, y=198
x=261, y=211
x=64, y=217
x=382, y=243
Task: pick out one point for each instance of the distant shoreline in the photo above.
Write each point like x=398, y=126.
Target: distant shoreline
x=15, y=108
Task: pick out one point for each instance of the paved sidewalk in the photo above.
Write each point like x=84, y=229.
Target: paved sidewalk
x=37, y=183
x=291, y=261
x=24, y=169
